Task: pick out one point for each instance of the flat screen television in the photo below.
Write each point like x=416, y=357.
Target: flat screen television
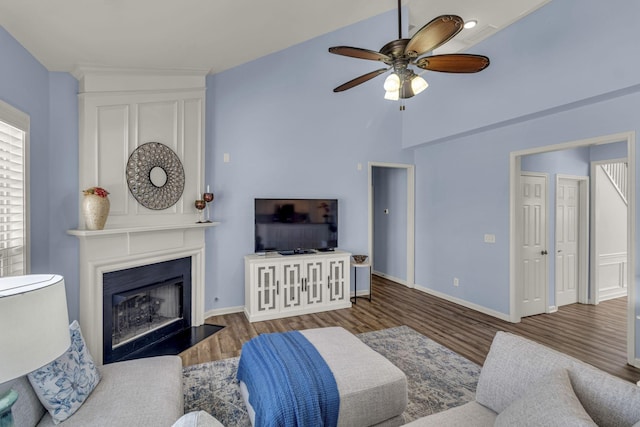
x=290, y=226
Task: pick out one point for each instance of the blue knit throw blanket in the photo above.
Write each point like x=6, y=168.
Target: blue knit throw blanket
x=289, y=383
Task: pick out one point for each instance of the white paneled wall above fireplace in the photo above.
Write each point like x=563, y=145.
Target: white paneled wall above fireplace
x=120, y=111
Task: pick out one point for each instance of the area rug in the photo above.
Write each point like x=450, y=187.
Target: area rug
x=438, y=378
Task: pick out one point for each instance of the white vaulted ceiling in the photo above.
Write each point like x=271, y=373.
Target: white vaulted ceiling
x=215, y=35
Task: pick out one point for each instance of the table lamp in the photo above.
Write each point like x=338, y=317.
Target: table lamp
x=35, y=329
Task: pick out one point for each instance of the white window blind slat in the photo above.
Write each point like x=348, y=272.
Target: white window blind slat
x=12, y=200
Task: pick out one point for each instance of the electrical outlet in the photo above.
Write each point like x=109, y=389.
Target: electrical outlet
x=226, y=158
x=359, y=166
x=456, y=282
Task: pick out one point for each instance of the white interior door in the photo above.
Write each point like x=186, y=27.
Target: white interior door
x=567, y=234
x=533, y=249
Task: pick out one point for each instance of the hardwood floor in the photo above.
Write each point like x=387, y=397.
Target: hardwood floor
x=594, y=334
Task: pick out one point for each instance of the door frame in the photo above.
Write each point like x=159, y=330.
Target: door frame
x=545, y=233
x=410, y=283
x=583, y=235
x=514, y=172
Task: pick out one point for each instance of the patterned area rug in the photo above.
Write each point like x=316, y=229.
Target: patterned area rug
x=438, y=378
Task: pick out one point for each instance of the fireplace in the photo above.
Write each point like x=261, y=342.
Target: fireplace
x=145, y=305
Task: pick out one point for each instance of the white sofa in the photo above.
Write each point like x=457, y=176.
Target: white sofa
x=142, y=392
x=525, y=383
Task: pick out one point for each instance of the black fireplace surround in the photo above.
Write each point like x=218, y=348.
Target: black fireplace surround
x=132, y=290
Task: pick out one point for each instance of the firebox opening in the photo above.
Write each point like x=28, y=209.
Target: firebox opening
x=144, y=305
x=138, y=312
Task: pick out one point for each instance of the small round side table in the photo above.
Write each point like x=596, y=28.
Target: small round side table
x=356, y=266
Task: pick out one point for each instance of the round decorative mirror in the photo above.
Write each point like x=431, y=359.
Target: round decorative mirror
x=158, y=176
x=155, y=176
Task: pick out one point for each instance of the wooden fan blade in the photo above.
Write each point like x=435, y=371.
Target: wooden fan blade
x=356, y=52
x=359, y=80
x=434, y=34
x=454, y=63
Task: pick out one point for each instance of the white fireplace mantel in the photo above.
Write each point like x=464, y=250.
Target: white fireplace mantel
x=138, y=229
x=115, y=249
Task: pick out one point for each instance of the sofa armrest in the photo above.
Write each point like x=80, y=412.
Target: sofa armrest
x=515, y=364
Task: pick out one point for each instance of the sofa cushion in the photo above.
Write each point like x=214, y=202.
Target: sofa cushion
x=142, y=392
x=64, y=384
x=469, y=414
x=197, y=419
x=551, y=402
x=514, y=364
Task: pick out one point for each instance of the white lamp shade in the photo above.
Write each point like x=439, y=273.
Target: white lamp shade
x=34, y=322
x=392, y=95
x=392, y=83
x=418, y=84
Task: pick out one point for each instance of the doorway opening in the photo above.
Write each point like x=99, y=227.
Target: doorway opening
x=400, y=178
x=515, y=270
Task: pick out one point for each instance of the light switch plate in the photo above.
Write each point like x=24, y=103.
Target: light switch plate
x=489, y=238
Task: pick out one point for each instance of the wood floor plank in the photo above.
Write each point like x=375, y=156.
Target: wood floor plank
x=594, y=334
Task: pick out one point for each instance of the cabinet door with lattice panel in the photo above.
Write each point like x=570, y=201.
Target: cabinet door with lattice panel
x=337, y=279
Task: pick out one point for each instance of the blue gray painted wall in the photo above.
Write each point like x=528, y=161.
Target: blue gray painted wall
x=518, y=103
x=50, y=99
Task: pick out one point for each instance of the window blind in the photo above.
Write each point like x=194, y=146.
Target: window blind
x=12, y=201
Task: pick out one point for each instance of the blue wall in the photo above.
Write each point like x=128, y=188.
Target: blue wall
x=561, y=55
x=50, y=100
x=63, y=174
x=542, y=88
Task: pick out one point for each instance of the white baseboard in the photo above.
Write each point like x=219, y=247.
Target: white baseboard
x=222, y=311
x=464, y=303
x=552, y=309
x=393, y=279
x=361, y=293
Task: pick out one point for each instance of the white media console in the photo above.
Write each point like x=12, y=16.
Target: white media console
x=289, y=285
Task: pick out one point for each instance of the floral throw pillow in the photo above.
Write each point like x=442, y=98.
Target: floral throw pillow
x=64, y=384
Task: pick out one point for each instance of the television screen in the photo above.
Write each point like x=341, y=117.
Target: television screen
x=296, y=225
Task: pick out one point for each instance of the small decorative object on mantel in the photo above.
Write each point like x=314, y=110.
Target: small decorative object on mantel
x=359, y=259
x=208, y=198
x=200, y=205
x=95, y=207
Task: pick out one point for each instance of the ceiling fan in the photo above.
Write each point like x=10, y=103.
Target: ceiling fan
x=400, y=54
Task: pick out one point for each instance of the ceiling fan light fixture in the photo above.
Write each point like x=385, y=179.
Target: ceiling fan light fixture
x=392, y=95
x=470, y=24
x=418, y=84
x=392, y=83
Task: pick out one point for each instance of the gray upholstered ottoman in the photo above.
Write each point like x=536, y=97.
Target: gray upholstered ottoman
x=372, y=390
